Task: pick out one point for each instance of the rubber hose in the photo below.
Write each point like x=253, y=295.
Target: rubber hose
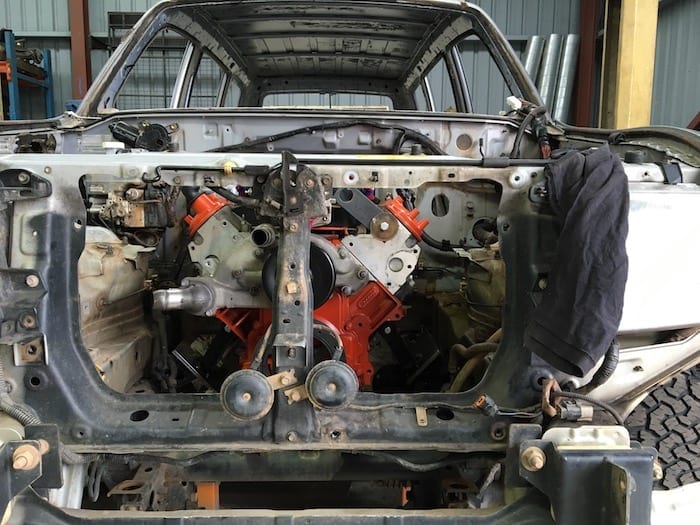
x=464, y=373
x=444, y=246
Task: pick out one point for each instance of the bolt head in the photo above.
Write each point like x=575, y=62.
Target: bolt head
x=533, y=459
x=383, y=226
x=292, y=436
x=32, y=281
x=26, y=457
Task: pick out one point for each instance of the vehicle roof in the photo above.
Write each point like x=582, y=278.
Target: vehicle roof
x=274, y=46
x=382, y=40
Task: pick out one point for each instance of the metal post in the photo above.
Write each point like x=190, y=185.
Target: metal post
x=533, y=56
x=80, y=47
x=628, y=68
x=547, y=78
x=585, y=75
x=562, y=99
x=48, y=81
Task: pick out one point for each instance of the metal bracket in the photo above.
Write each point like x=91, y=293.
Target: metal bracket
x=672, y=172
x=51, y=474
x=422, y=416
x=18, y=185
x=607, y=486
x=283, y=379
x=357, y=204
x=296, y=394
x=15, y=476
x=20, y=293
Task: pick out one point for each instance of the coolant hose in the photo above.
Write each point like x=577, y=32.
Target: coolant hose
x=465, y=372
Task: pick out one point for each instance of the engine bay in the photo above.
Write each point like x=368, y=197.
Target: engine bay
x=218, y=323
x=381, y=305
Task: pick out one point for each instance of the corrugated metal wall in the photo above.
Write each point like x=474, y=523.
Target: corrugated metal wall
x=518, y=19
x=99, y=27
x=676, y=98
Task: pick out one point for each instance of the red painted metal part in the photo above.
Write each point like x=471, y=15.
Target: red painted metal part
x=202, y=209
x=408, y=218
x=354, y=318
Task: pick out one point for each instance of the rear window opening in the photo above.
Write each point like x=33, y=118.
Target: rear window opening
x=335, y=100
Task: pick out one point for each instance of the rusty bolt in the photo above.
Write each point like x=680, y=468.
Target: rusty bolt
x=292, y=436
x=27, y=321
x=284, y=380
x=309, y=183
x=32, y=281
x=295, y=396
x=331, y=387
x=292, y=287
x=26, y=457
x=533, y=459
x=132, y=194
x=293, y=227
x=291, y=352
x=47, y=169
x=246, y=397
x=361, y=274
x=657, y=471
x=177, y=179
x=23, y=178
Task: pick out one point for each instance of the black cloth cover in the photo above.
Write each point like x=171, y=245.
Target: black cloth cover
x=580, y=312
